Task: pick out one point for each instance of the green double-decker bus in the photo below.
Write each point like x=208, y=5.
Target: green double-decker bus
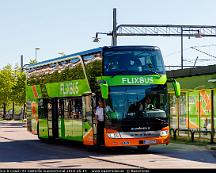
x=62, y=96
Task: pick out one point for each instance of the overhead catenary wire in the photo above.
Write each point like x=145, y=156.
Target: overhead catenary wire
x=192, y=47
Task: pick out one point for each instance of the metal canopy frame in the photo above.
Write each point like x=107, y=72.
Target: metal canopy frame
x=197, y=31
x=158, y=30
x=165, y=30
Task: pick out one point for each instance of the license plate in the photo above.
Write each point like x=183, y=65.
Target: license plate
x=149, y=142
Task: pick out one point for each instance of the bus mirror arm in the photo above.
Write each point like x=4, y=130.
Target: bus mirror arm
x=101, y=82
x=176, y=86
x=104, y=90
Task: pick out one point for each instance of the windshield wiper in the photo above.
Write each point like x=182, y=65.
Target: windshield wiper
x=161, y=120
x=123, y=72
x=119, y=72
x=151, y=71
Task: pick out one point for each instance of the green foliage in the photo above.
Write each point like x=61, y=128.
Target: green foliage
x=92, y=69
x=65, y=75
x=7, y=81
x=32, y=61
x=12, y=88
x=18, y=90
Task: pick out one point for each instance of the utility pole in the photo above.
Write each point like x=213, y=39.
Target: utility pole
x=114, y=32
x=182, y=56
x=21, y=62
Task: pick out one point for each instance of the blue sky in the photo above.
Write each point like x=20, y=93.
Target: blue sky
x=69, y=25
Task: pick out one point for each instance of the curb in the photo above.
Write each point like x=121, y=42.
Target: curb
x=211, y=147
x=13, y=124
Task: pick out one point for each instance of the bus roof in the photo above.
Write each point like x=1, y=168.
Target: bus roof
x=132, y=47
x=67, y=57
x=62, y=58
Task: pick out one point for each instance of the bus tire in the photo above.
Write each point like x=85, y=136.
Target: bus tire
x=43, y=140
x=143, y=148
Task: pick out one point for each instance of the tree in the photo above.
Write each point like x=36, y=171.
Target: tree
x=18, y=90
x=12, y=88
x=7, y=81
x=33, y=61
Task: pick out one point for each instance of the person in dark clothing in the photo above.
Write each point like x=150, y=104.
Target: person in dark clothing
x=100, y=122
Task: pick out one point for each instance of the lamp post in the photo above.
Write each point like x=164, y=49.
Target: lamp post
x=113, y=33
x=197, y=35
x=36, y=49
x=21, y=62
x=182, y=58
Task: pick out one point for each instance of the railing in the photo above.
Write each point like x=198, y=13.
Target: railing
x=192, y=133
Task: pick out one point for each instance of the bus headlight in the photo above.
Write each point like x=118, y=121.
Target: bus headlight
x=164, y=133
x=110, y=135
x=113, y=135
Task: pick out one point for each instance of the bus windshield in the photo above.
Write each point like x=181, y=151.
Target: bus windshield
x=133, y=61
x=134, y=102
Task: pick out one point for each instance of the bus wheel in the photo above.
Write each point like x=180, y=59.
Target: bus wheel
x=143, y=148
x=92, y=148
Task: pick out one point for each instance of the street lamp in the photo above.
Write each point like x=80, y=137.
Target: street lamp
x=36, y=49
x=113, y=33
x=97, y=39
x=196, y=35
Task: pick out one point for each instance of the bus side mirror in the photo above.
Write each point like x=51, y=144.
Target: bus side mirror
x=177, y=88
x=104, y=90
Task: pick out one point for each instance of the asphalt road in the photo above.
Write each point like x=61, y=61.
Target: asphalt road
x=21, y=149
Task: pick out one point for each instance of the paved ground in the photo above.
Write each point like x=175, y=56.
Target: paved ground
x=21, y=149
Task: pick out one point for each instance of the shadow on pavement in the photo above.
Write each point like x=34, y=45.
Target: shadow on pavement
x=34, y=150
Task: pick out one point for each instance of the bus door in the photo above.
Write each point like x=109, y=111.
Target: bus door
x=61, y=125
x=52, y=118
x=42, y=120
x=94, y=121
x=55, y=117
x=89, y=123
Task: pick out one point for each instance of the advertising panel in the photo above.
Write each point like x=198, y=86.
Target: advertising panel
x=193, y=110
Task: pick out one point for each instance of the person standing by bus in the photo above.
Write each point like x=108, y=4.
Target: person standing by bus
x=148, y=103
x=100, y=122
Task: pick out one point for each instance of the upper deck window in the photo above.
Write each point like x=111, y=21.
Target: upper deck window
x=133, y=61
